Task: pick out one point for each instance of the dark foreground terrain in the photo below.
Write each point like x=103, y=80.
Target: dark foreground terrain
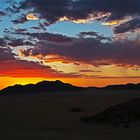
x=57, y=116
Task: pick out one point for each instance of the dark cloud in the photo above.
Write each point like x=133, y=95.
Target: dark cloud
x=52, y=10
x=2, y=42
x=104, y=10
x=48, y=9
x=20, y=20
x=94, y=35
x=20, y=30
x=87, y=47
x=19, y=42
x=90, y=51
x=6, y=55
x=16, y=42
x=128, y=26
x=2, y=13
x=58, y=38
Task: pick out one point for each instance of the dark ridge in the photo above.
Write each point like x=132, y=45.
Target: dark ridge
x=41, y=87
x=129, y=86
x=58, y=86
x=124, y=113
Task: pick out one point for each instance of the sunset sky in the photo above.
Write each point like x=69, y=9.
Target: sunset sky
x=82, y=42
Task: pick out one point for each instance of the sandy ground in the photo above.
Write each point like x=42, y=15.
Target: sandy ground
x=49, y=116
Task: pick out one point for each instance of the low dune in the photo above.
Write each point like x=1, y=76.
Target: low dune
x=124, y=113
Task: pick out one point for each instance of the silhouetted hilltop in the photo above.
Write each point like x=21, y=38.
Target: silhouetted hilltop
x=41, y=87
x=56, y=86
x=123, y=87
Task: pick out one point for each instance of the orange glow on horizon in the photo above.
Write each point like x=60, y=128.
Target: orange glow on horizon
x=98, y=82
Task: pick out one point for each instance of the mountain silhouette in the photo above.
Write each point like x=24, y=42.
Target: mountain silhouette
x=129, y=86
x=41, y=87
x=58, y=86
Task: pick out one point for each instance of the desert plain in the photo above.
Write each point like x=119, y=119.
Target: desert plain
x=56, y=116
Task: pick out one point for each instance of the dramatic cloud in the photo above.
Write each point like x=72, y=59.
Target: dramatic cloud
x=12, y=67
x=22, y=68
x=111, y=12
x=38, y=39
x=128, y=26
x=88, y=50
x=80, y=9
